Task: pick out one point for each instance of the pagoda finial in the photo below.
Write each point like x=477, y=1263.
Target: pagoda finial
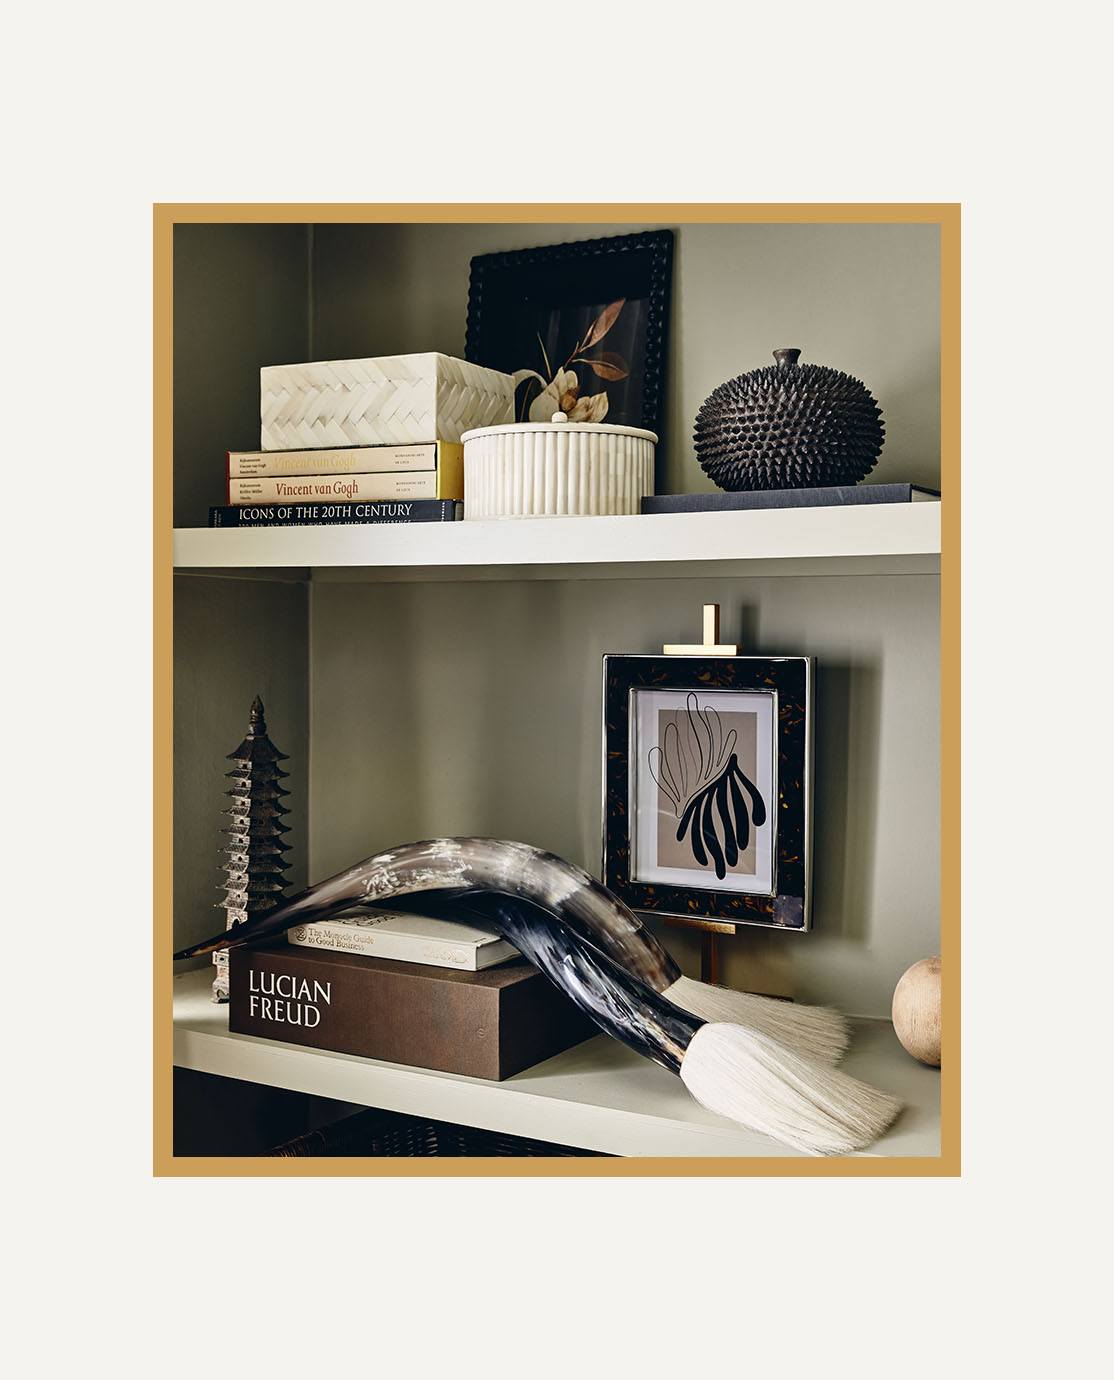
x=257, y=724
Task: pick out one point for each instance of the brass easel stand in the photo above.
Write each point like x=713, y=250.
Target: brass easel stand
x=711, y=646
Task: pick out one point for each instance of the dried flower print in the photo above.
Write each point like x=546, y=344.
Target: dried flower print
x=559, y=389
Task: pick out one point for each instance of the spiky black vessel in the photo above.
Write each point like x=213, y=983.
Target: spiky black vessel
x=789, y=426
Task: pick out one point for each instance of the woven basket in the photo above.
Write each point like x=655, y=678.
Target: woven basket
x=378, y=1134
x=392, y=401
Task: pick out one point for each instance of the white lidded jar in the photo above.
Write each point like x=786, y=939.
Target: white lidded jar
x=556, y=469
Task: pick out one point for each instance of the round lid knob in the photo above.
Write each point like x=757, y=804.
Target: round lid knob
x=786, y=358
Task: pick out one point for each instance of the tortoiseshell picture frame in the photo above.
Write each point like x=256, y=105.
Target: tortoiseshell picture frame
x=736, y=817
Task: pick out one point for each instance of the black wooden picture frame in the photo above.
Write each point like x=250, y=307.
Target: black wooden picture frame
x=562, y=290
x=790, y=679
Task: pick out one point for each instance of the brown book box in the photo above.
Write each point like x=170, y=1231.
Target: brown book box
x=489, y=1024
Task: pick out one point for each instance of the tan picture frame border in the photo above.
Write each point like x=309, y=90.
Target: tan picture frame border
x=948, y=217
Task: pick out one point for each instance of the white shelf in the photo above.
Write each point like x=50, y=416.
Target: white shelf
x=890, y=538
x=597, y=1096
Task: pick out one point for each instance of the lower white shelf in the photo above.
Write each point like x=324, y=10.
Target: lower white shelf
x=597, y=1096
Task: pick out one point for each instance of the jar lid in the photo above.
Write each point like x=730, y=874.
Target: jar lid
x=597, y=428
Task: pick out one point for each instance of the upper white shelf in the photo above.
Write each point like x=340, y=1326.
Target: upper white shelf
x=887, y=538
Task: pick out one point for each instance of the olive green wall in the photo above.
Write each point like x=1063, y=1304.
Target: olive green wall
x=233, y=639
x=862, y=298
x=241, y=300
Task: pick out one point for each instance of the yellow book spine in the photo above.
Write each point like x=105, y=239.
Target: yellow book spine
x=450, y=470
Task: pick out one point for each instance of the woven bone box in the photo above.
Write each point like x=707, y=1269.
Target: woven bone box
x=395, y=400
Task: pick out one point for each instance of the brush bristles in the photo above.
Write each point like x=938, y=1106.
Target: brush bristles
x=814, y=1032
x=752, y=1080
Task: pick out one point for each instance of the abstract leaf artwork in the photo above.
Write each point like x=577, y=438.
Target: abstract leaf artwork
x=697, y=770
x=707, y=769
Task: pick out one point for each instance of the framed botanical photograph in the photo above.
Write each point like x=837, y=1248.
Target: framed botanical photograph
x=707, y=787
x=581, y=326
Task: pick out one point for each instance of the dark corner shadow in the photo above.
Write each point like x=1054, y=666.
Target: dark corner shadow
x=845, y=795
x=744, y=631
x=845, y=781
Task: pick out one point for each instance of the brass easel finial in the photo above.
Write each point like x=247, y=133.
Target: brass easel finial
x=711, y=646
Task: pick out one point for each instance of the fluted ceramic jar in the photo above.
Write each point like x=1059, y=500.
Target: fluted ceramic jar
x=556, y=469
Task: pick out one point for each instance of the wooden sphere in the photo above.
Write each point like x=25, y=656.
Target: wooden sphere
x=916, y=1010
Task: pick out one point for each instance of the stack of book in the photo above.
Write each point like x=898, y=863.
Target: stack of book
x=352, y=484
x=362, y=440
x=409, y=989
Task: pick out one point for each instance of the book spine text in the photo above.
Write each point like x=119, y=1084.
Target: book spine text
x=439, y=953
x=330, y=514
x=348, y=488
x=255, y=464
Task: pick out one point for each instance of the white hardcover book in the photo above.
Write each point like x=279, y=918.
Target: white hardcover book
x=346, y=488
x=407, y=939
x=254, y=464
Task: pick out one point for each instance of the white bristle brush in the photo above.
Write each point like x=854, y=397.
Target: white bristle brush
x=815, y=1032
x=737, y=1071
x=740, y=1071
x=812, y=1107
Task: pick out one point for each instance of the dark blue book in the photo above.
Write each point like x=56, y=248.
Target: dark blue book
x=335, y=514
x=840, y=497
